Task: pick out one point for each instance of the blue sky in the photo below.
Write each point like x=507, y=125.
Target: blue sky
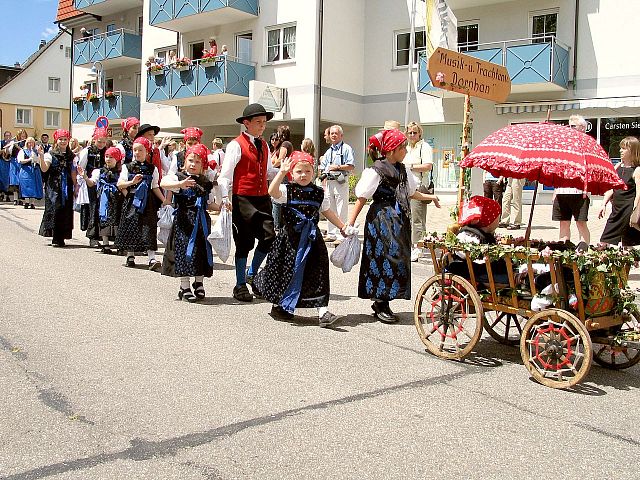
x=30, y=21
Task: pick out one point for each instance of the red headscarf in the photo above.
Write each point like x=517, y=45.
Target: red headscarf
x=191, y=132
x=61, y=132
x=129, y=122
x=200, y=150
x=114, y=152
x=145, y=143
x=298, y=156
x=99, y=133
x=391, y=139
x=479, y=211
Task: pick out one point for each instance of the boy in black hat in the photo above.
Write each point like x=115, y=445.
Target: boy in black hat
x=245, y=174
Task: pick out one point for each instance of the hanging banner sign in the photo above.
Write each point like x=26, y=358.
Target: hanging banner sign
x=464, y=74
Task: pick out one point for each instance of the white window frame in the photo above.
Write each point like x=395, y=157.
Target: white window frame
x=237, y=50
x=281, y=28
x=163, y=53
x=537, y=13
x=467, y=23
x=51, y=80
x=48, y=125
x=23, y=124
x=395, y=47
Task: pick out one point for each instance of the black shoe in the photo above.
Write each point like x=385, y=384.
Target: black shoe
x=26, y=206
x=33, y=206
x=198, y=290
x=187, y=295
x=131, y=262
x=327, y=320
x=241, y=292
x=256, y=292
x=107, y=251
x=58, y=243
x=155, y=266
x=513, y=226
x=278, y=312
x=503, y=225
x=383, y=313
x=15, y=202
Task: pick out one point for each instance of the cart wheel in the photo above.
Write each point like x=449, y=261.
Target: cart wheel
x=448, y=316
x=618, y=357
x=504, y=327
x=556, y=348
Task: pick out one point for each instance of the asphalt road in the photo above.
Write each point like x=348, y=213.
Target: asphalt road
x=105, y=375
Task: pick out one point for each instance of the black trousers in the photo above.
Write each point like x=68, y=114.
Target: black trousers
x=252, y=221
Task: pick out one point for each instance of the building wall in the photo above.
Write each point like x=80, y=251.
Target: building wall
x=37, y=127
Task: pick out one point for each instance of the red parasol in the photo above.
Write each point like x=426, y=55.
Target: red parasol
x=554, y=155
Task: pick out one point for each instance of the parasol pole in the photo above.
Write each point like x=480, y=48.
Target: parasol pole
x=465, y=147
x=527, y=235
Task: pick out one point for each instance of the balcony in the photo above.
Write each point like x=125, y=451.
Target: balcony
x=125, y=104
x=106, y=7
x=224, y=80
x=118, y=48
x=187, y=15
x=533, y=67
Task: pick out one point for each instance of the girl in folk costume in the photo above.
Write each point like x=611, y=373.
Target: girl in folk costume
x=14, y=166
x=192, y=136
x=129, y=133
x=30, y=177
x=59, y=178
x=139, y=221
x=385, y=267
x=106, y=210
x=296, y=274
x=92, y=158
x=188, y=252
x=149, y=132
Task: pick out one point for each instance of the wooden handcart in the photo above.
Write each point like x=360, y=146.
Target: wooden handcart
x=558, y=344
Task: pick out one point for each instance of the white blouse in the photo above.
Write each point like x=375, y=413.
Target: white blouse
x=326, y=201
x=172, y=177
x=124, y=176
x=369, y=181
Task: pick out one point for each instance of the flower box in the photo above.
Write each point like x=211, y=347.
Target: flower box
x=94, y=98
x=78, y=100
x=156, y=71
x=181, y=68
x=110, y=96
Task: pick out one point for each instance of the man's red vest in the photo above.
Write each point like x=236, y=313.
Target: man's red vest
x=250, y=175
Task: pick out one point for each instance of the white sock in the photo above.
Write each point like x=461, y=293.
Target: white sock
x=199, y=279
x=131, y=254
x=105, y=240
x=151, y=254
x=184, y=283
x=322, y=311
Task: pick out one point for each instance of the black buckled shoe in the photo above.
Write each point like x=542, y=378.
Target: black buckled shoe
x=383, y=312
x=241, y=292
x=278, y=312
x=198, y=290
x=187, y=295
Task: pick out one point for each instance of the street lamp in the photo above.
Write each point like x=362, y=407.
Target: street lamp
x=97, y=71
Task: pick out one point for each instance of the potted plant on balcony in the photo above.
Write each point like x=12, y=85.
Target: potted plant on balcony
x=110, y=95
x=154, y=66
x=181, y=64
x=92, y=97
x=78, y=100
x=208, y=59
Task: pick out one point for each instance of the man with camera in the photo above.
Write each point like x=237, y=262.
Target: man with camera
x=334, y=170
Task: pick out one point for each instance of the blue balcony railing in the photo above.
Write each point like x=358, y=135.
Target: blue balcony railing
x=187, y=15
x=114, y=49
x=223, y=80
x=125, y=104
x=539, y=65
x=103, y=7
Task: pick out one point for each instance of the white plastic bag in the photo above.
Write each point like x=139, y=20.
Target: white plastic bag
x=347, y=254
x=82, y=198
x=165, y=222
x=222, y=234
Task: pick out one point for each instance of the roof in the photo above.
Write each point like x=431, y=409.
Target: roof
x=66, y=11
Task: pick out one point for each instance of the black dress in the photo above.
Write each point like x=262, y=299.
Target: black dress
x=57, y=219
x=108, y=206
x=385, y=268
x=138, y=227
x=296, y=273
x=617, y=228
x=88, y=220
x=190, y=229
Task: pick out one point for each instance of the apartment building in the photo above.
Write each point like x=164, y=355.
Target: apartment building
x=320, y=62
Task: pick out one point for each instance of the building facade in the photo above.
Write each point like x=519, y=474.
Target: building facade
x=36, y=97
x=321, y=62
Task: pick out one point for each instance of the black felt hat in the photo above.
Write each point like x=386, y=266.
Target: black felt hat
x=254, y=110
x=145, y=127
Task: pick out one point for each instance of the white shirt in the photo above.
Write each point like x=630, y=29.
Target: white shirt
x=172, y=177
x=232, y=157
x=124, y=176
x=83, y=157
x=369, y=181
x=22, y=159
x=420, y=154
x=326, y=201
x=568, y=191
x=218, y=157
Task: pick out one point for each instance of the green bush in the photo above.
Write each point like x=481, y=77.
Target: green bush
x=353, y=179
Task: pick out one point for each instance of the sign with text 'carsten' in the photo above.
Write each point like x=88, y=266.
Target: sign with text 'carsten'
x=464, y=74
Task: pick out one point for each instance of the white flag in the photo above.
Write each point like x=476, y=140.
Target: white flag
x=441, y=26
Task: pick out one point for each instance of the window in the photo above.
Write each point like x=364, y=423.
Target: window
x=23, y=117
x=544, y=27
x=197, y=49
x=90, y=87
x=468, y=37
x=54, y=85
x=140, y=25
x=51, y=119
x=244, y=48
x=108, y=85
x=111, y=28
x=163, y=54
x=67, y=52
x=402, y=47
x=281, y=44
